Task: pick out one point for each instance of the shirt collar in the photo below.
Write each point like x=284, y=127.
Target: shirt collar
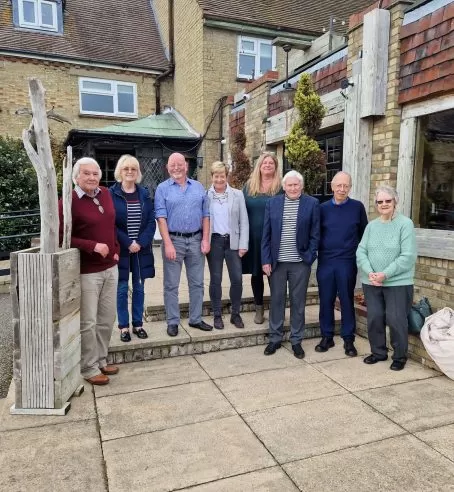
x=172, y=181
x=80, y=192
x=227, y=189
x=339, y=204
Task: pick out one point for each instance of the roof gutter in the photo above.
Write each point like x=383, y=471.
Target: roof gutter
x=76, y=61
x=258, y=28
x=171, y=69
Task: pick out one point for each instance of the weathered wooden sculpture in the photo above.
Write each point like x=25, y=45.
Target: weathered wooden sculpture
x=45, y=289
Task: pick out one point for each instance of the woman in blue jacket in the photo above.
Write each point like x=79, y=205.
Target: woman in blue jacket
x=135, y=223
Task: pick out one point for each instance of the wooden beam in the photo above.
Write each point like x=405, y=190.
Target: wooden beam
x=407, y=147
x=375, y=62
x=67, y=198
x=433, y=105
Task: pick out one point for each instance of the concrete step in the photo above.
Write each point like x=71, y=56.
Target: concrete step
x=156, y=311
x=190, y=341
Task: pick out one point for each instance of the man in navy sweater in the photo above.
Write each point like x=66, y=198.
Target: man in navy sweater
x=342, y=223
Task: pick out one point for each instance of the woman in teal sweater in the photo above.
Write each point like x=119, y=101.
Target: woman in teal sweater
x=386, y=258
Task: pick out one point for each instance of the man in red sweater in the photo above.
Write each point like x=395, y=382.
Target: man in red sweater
x=93, y=233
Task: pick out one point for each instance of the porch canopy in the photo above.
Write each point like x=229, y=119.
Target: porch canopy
x=151, y=140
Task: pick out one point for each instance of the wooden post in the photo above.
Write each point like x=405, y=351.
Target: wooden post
x=67, y=197
x=45, y=290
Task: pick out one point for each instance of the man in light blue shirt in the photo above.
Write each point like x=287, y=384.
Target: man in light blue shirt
x=181, y=209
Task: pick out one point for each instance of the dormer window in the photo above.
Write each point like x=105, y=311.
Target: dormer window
x=38, y=14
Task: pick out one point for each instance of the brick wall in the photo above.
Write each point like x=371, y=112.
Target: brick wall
x=62, y=91
x=236, y=120
x=433, y=277
x=325, y=80
x=427, y=55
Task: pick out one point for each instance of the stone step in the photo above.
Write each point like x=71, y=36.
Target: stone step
x=189, y=341
x=156, y=312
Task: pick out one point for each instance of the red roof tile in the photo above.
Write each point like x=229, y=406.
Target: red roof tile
x=109, y=31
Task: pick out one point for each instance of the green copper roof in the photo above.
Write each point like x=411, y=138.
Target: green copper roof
x=168, y=124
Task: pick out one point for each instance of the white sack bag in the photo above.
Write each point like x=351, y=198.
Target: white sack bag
x=437, y=335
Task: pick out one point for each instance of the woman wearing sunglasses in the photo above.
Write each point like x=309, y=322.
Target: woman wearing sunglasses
x=135, y=223
x=386, y=258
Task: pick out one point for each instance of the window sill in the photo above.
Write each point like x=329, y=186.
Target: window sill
x=244, y=80
x=107, y=117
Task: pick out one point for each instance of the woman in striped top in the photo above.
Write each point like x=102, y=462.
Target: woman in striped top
x=135, y=223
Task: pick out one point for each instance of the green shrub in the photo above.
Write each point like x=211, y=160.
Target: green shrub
x=18, y=191
x=301, y=149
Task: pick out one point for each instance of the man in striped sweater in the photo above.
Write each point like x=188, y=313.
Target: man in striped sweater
x=291, y=233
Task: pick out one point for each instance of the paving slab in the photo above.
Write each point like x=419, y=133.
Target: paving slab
x=157, y=337
x=159, y=373
x=267, y=480
x=82, y=408
x=277, y=387
x=185, y=456
x=402, y=464
x=416, y=406
x=150, y=410
x=244, y=361
x=321, y=426
x=354, y=375
x=335, y=353
x=52, y=458
x=441, y=439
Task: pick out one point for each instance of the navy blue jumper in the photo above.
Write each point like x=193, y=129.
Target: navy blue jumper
x=341, y=229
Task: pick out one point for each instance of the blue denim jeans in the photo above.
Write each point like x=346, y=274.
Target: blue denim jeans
x=137, y=302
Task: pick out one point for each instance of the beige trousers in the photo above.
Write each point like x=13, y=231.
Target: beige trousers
x=97, y=315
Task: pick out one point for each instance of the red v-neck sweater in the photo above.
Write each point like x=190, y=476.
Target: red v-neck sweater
x=89, y=227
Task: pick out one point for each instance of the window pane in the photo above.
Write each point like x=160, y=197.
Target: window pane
x=266, y=60
x=434, y=173
x=247, y=65
x=125, y=102
x=47, y=17
x=126, y=89
x=247, y=45
x=97, y=103
x=29, y=12
x=97, y=86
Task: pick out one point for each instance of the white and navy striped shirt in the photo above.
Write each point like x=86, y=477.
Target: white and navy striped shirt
x=287, y=248
x=134, y=214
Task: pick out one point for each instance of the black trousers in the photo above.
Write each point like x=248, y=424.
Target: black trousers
x=388, y=306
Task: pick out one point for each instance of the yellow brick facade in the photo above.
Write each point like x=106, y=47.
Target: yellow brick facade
x=61, y=82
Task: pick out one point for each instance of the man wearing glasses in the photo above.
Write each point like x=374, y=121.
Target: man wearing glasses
x=93, y=233
x=342, y=224
x=181, y=208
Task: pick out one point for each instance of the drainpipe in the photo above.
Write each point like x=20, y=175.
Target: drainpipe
x=171, y=69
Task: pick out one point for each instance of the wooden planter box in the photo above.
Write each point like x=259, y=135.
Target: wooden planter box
x=45, y=292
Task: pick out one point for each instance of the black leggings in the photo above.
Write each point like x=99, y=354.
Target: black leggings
x=258, y=286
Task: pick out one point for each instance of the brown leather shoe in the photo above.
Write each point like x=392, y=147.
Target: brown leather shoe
x=98, y=380
x=109, y=370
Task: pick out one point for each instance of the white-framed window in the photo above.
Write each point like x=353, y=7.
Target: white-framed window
x=255, y=57
x=107, y=97
x=38, y=14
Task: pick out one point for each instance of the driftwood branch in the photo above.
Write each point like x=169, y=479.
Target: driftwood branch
x=43, y=163
x=67, y=197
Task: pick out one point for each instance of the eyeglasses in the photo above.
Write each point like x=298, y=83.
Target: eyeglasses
x=100, y=207
x=381, y=202
x=127, y=169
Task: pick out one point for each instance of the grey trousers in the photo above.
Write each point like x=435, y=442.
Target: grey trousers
x=188, y=251
x=388, y=306
x=220, y=250
x=297, y=276
x=98, y=307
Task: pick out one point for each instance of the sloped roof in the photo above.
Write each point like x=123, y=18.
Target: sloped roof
x=304, y=16
x=105, y=31
x=168, y=124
